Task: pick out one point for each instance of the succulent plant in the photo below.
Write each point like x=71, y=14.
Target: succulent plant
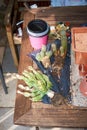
x=38, y=84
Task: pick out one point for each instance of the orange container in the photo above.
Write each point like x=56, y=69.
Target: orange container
x=79, y=44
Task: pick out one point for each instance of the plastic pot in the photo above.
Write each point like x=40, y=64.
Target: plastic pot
x=38, y=33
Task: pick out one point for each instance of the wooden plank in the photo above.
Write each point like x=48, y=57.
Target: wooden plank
x=73, y=14
x=2, y=49
x=56, y=117
x=8, y=17
x=39, y=3
x=20, y=108
x=61, y=11
x=9, y=24
x=11, y=44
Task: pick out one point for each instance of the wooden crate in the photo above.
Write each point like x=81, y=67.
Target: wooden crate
x=39, y=114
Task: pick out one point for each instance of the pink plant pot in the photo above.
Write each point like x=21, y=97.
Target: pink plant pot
x=38, y=42
x=38, y=33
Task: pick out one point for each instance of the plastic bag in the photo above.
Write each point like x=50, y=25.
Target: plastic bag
x=55, y=3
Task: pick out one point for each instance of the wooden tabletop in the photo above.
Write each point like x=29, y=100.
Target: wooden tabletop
x=39, y=114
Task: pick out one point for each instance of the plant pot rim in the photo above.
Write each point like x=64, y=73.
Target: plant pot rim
x=75, y=31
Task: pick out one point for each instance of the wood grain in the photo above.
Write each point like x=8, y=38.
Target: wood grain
x=75, y=14
x=39, y=114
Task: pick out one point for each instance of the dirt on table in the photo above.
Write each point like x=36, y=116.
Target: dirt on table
x=59, y=100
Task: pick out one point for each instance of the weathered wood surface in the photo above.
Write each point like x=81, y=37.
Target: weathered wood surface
x=75, y=14
x=2, y=50
x=39, y=3
x=10, y=22
x=39, y=114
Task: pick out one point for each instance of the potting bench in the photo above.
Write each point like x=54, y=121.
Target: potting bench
x=39, y=114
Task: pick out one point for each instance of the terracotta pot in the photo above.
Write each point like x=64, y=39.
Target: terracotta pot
x=79, y=44
x=83, y=86
x=82, y=69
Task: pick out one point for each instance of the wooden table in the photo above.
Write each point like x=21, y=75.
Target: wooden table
x=39, y=114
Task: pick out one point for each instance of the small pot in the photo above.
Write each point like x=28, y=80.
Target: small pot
x=79, y=44
x=38, y=33
x=82, y=69
x=83, y=86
